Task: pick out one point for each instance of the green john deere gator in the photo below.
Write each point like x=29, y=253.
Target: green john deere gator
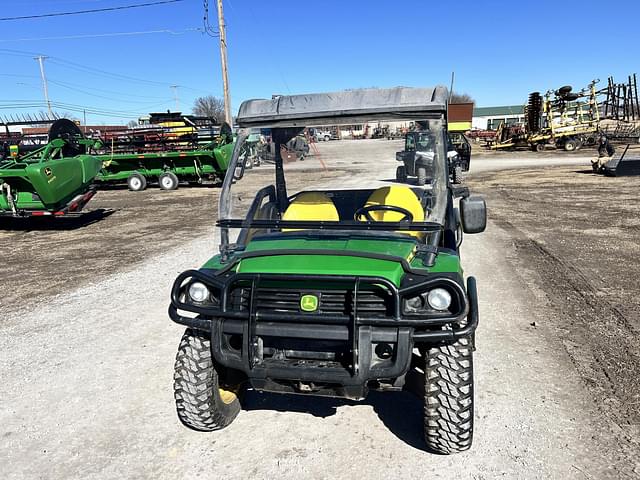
x=53, y=180
x=334, y=291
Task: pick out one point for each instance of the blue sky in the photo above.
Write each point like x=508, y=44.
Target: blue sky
x=500, y=51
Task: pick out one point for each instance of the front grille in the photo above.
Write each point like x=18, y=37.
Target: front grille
x=239, y=298
x=373, y=301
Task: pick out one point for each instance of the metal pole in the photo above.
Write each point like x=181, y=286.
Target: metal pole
x=223, y=59
x=453, y=75
x=632, y=107
x=41, y=60
x=84, y=112
x=635, y=89
x=175, y=96
x=606, y=102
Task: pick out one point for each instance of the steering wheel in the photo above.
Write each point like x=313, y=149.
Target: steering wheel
x=366, y=212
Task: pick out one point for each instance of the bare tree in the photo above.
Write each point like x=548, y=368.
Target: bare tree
x=209, y=106
x=132, y=123
x=461, y=98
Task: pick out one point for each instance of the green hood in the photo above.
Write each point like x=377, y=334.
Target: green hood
x=324, y=264
x=343, y=264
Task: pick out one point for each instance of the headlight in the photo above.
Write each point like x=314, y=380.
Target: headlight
x=439, y=299
x=198, y=292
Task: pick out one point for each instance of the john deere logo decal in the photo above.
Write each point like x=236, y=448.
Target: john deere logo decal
x=48, y=172
x=309, y=303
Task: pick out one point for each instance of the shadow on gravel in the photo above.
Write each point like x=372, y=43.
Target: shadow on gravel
x=316, y=406
x=30, y=224
x=400, y=412
x=117, y=187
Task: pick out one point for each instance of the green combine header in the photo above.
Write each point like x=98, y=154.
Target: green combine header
x=52, y=180
x=168, y=169
x=174, y=149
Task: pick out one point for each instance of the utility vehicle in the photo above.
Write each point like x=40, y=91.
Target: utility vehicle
x=461, y=163
x=333, y=290
x=419, y=153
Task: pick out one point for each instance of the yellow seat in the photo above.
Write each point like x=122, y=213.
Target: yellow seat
x=398, y=196
x=311, y=206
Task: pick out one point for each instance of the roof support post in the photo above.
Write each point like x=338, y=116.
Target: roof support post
x=280, y=137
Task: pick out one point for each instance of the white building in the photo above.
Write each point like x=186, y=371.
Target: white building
x=490, y=118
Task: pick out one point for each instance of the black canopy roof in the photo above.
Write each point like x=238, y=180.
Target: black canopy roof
x=347, y=106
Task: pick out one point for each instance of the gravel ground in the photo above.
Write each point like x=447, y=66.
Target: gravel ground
x=576, y=237
x=87, y=374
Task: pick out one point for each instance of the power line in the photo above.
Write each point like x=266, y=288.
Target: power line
x=17, y=75
x=94, y=71
x=17, y=53
x=104, y=73
x=79, y=88
x=23, y=104
x=100, y=90
x=28, y=103
x=91, y=94
x=208, y=29
x=95, y=10
x=102, y=35
x=107, y=111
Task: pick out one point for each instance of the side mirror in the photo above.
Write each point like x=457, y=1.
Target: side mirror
x=473, y=211
x=241, y=165
x=238, y=173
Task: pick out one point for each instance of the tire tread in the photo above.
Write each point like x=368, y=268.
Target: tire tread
x=195, y=386
x=448, y=405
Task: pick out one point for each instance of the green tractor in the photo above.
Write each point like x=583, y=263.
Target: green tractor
x=334, y=291
x=52, y=180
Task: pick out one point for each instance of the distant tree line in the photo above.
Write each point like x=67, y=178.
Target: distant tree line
x=461, y=98
x=209, y=106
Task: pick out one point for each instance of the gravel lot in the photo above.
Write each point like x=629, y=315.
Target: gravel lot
x=87, y=364
x=576, y=238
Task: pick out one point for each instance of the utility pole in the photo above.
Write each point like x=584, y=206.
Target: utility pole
x=223, y=58
x=41, y=59
x=453, y=76
x=175, y=96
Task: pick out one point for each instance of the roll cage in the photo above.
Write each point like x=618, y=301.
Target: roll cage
x=287, y=117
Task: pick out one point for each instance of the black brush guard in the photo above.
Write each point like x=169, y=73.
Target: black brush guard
x=240, y=337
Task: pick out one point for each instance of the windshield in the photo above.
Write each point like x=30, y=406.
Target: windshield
x=426, y=142
x=341, y=185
